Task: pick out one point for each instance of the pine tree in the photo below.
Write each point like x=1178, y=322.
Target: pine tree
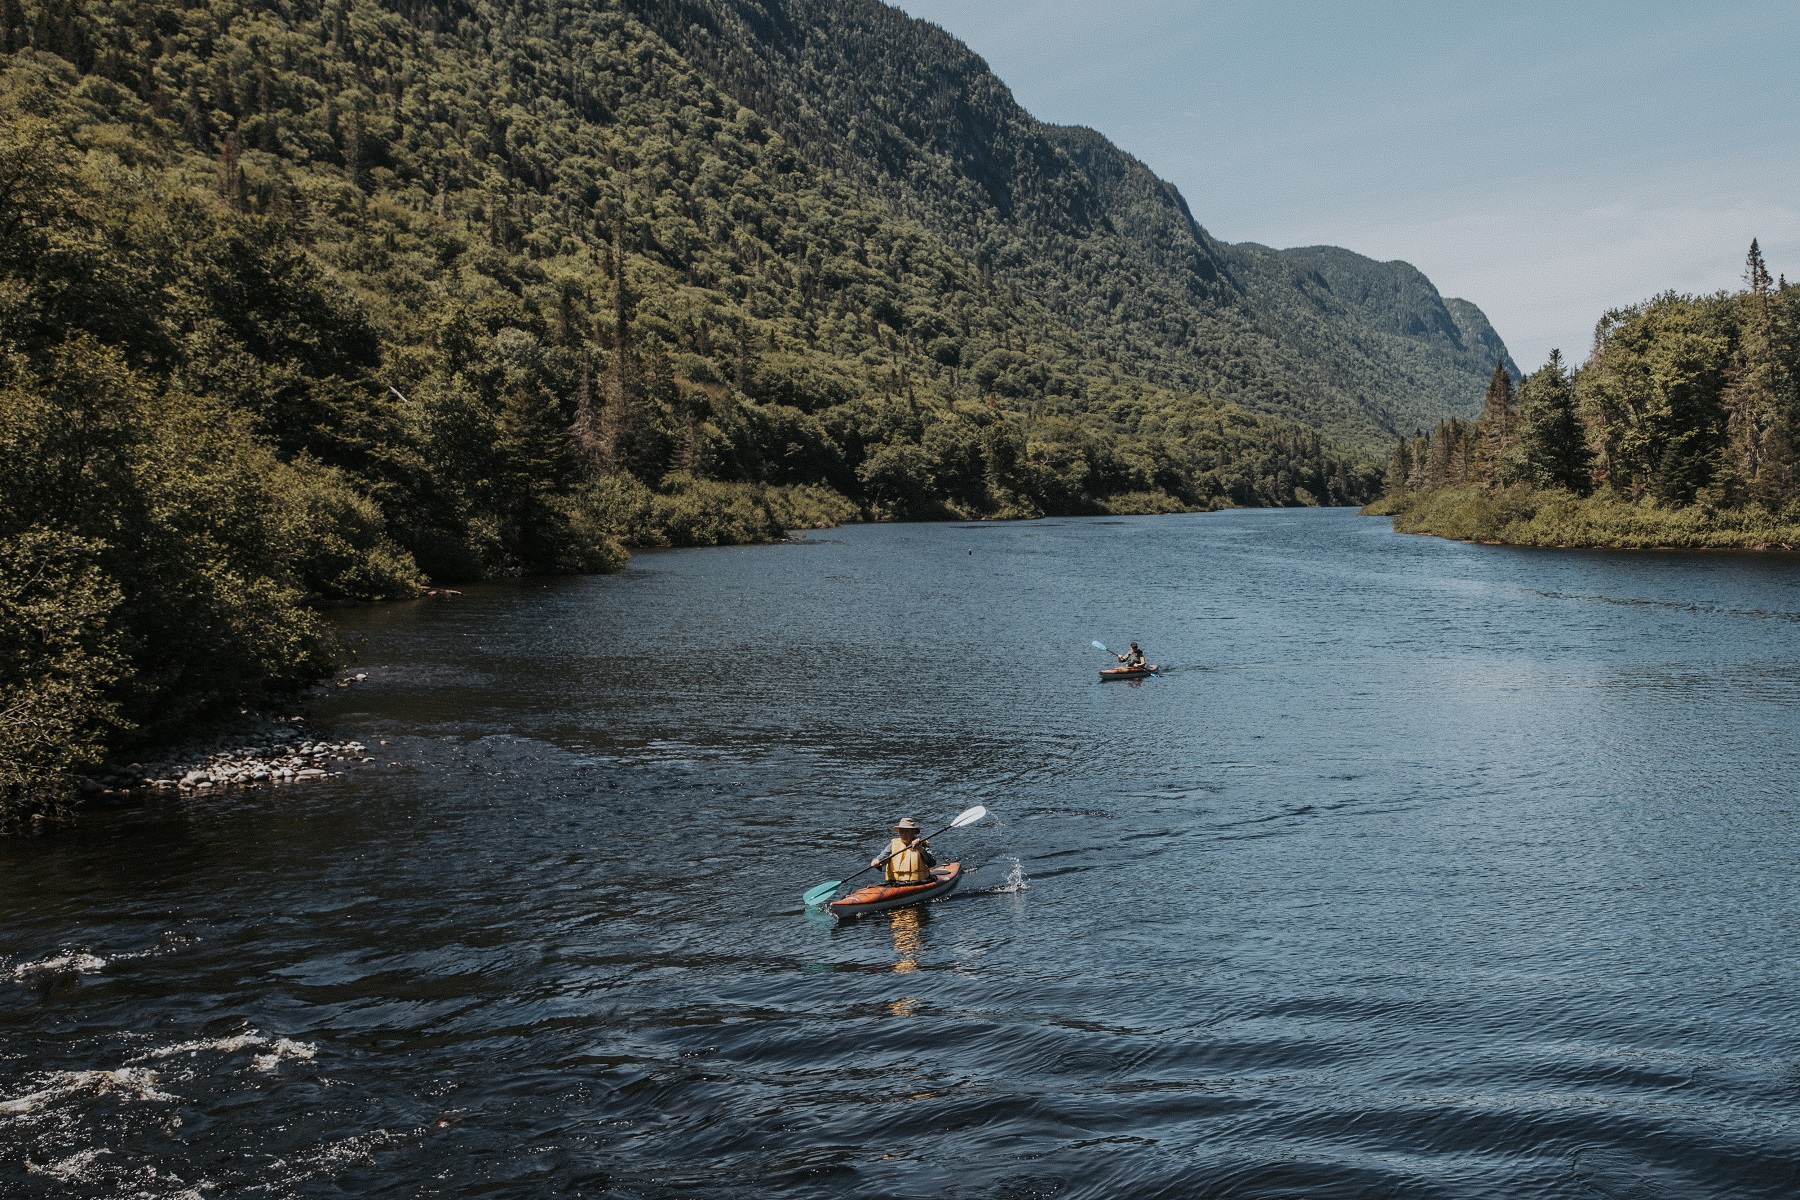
x=1779, y=484
x=618, y=415
x=584, y=430
x=1552, y=447
x=1447, y=461
x=1752, y=396
x=1400, y=468
x=231, y=175
x=1497, y=434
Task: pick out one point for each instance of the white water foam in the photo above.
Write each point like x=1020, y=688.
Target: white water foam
x=62, y=1112
x=70, y=962
x=136, y=1082
x=277, y=1049
x=282, y=1048
x=331, y=1158
x=1014, y=881
x=130, y=1083
x=139, y=1182
x=85, y=962
x=73, y=1169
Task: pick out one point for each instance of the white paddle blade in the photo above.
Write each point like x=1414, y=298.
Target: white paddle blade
x=1100, y=646
x=969, y=817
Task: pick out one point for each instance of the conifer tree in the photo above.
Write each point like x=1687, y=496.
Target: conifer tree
x=1445, y=462
x=1778, y=486
x=618, y=415
x=1496, y=430
x=584, y=430
x=1752, y=396
x=1400, y=467
x=1552, y=447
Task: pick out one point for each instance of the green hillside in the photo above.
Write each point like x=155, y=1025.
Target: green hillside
x=1359, y=349
x=302, y=303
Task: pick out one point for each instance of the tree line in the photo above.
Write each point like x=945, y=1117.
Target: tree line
x=1685, y=403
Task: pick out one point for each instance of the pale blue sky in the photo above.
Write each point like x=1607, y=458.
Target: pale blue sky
x=1546, y=161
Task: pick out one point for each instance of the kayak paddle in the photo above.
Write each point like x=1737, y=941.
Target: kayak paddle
x=1102, y=646
x=822, y=893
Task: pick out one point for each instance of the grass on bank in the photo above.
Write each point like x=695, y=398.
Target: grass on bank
x=1519, y=516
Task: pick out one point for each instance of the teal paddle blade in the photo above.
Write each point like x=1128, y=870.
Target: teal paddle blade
x=822, y=893
x=1100, y=646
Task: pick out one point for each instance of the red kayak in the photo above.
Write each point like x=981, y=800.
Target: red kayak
x=880, y=897
x=1128, y=672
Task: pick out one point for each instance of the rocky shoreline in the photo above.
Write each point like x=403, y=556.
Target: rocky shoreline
x=262, y=750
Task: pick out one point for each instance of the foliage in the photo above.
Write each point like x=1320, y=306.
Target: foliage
x=313, y=301
x=1083, y=233
x=1551, y=450
x=58, y=667
x=1521, y=516
x=1679, y=430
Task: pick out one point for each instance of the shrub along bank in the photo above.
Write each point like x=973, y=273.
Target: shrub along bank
x=1522, y=516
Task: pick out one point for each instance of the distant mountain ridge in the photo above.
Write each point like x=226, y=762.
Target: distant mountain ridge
x=1360, y=349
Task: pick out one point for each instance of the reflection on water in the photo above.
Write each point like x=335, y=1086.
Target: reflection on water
x=908, y=927
x=1459, y=873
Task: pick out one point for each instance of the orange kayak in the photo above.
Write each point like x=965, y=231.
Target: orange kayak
x=1128, y=672
x=880, y=897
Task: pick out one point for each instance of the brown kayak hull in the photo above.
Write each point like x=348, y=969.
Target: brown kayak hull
x=1128, y=672
x=880, y=897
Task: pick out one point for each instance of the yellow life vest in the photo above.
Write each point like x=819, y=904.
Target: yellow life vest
x=907, y=864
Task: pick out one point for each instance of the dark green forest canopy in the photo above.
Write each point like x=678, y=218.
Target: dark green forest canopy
x=1360, y=349
x=301, y=302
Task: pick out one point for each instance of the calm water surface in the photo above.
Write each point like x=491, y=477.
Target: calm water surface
x=1431, y=870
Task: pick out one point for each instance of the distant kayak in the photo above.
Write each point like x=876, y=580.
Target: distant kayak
x=1128, y=672
x=883, y=896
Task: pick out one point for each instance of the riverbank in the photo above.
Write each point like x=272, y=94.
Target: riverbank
x=252, y=751
x=258, y=750
x=1520, y=516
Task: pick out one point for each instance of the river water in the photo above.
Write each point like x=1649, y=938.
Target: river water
x=1427, y=870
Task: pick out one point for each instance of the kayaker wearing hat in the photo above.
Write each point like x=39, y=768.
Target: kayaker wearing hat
x=909, y=858
x=1132, y=657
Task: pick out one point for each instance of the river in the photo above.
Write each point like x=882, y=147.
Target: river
x=1427, y=870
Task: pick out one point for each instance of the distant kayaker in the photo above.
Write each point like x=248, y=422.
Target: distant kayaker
x=1133, y=657
x=908, y=856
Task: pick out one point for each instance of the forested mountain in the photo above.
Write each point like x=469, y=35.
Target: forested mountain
x=1360, y=349
x=1681, y=429
x=312, y=299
